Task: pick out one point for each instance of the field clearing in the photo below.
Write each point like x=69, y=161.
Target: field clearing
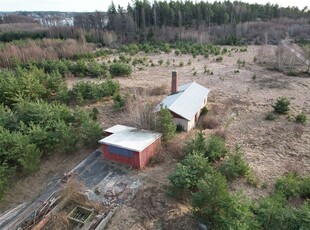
x=237, y=100
x=271, y=147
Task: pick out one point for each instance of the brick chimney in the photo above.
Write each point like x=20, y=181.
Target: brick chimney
x=174, y=82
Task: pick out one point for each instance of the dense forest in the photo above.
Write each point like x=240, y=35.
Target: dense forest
x=219, y=18
x=218, y=22
x=178, y=13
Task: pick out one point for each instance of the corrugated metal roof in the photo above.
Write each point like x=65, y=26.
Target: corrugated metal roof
x=130, y=138
x=187, y=101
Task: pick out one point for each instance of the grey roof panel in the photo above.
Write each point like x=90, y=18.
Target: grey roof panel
x=187, y=101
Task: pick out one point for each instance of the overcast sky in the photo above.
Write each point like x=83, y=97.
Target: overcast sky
x=102, y=5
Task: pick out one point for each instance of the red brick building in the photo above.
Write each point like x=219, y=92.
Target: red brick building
x=131, y=146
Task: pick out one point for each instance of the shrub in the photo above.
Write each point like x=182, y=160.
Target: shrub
x=240, y=62
x=181, y=63
x=120, y=69
x=272, y=211
x=187, y=174
x=234, y=166
x=215, y=148
x=252, y=179
x=197, y=144
x=288, y=185
x=214, y=206
x=254, y=77
x=160, y=62
x=94, y=113
x=219, y=59
x=282, y=105
x=301, y=118
x=270, y=116
x=119, y=102
x=204, y=111
x=168, y=62
x=5, y=174
x=305, y=187
x=165, y=124
x=83, y=90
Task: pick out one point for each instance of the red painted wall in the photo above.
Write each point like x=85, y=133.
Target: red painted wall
x=148, y=152
x=139, y=160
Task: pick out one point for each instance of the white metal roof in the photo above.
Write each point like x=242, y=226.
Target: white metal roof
x=130, y=138
x=187, y=101
x=118, y=128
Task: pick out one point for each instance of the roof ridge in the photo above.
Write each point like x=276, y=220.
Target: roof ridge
x=191, y=83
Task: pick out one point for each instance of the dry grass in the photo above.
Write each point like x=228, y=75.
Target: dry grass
x=175, y=148
x=221, y=133
x=139, y=112
x=18, y=27
x=298, y=130
x=158, y=90
x=209, y=122
x=37, y=50
x=58, y=221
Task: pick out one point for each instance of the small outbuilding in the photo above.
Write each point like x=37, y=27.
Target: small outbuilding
x=185, y=102
x=131, y=146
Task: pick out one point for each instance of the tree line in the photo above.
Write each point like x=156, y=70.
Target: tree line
x=144, y=14
x=189, y=13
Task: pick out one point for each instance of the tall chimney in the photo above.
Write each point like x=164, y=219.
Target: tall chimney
x=174, y=82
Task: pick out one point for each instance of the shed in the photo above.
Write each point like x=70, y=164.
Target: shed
x=185, y=102
x=131, y=146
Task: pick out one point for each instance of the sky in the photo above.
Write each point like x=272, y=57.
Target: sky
x=102, y=5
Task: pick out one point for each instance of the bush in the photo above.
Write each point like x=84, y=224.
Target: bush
x=120, y=69
x=197, y=144
x=187, y=174
x=305, y=187
x=165, y=124
x=214, y=206
x=272, y=212
x=5, y=174
x=288, y=185
x=234, y=166
x=301, y=118
x=160, y=61
x=270, y=116
x=204, y=111
x=119, y=102
x=84, y=90
x=219, y=59
x=282, y=106
x=216, y=148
